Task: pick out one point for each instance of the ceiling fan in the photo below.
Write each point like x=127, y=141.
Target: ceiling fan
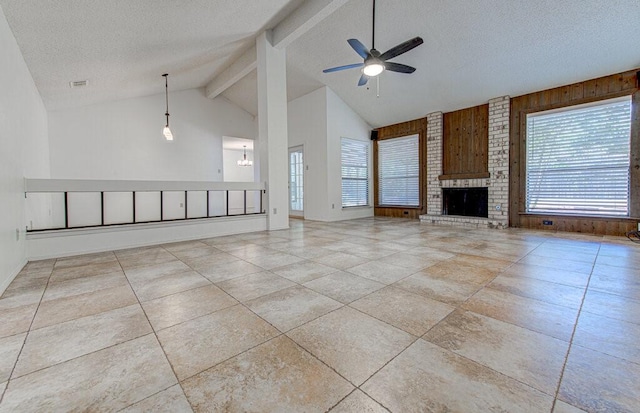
x=376, y=62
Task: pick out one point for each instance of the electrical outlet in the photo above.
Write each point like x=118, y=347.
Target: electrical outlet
x=275, y=211
x=181, y=205
x=333, y=206
x=547, y=222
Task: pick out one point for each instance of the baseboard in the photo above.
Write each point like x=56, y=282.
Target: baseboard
x=12, y=275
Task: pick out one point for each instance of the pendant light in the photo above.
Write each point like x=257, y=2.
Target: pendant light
x=166, y=131
x=244, y=161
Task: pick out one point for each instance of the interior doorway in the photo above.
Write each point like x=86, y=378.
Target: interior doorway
x=296, y=182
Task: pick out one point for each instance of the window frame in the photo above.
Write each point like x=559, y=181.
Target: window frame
x=419, y=176
x=366, y=145
x=527, y=210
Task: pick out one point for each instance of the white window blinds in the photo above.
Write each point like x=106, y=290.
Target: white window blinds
x=399, y=171
x=355, y=173
x=578, y=159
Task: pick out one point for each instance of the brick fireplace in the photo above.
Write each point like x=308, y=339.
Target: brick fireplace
x=497, y=183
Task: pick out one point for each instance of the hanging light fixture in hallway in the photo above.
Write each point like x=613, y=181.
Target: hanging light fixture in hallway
x=166, y=131
x=244, y=161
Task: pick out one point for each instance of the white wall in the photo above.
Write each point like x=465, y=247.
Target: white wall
x=25, y=150
x=307, y=121
x=123, y=139
x=343, y=122
x=318, y=121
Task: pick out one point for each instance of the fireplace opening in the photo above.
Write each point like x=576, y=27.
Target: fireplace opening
x=468, y=202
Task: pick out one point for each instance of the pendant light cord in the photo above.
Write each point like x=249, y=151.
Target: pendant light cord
x=166, y=94
x=373, y=30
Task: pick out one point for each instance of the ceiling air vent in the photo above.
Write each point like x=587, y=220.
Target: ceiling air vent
x=78, y=83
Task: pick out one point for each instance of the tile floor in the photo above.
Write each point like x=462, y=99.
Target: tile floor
x=368, y=315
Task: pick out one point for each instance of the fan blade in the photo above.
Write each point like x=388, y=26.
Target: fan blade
x=359, y=48
x=398, y=67
x=401, y=48
x=363, y=80
x=345, y=67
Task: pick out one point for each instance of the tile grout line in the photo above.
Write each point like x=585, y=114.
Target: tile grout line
x=352, y=392
x=486, y=285
x=155, y=335
x=24, y=342
x=575, y=323
x=257, y=345
x=179, y=382
x=86, y=354
x=382, y=367
x=356, y=387
x=150, y=396
x=153, y=329
x=343, y=305
x=573, y=333
x=458, y=307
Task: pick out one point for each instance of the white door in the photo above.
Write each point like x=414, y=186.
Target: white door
x=296, y=182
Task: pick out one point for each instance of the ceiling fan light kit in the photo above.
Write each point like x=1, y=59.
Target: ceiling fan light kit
x=373, y=69
x=375, y=62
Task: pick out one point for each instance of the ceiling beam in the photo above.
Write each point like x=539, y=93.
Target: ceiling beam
x=238, y=69
x=303, y=19
x=300, y=21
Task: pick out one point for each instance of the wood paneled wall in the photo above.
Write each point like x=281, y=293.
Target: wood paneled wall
x=465, y=143
x=417, y=126
x=583, y=92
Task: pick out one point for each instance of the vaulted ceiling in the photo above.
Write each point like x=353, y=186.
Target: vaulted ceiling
x=472, y=51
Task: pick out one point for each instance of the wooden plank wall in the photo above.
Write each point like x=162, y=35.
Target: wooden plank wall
x=465, y=143
x=607, y=87
x=417, y=126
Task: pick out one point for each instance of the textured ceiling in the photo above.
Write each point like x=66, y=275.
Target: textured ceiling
x=473, y=49
x=122, y=47
x=244, y=93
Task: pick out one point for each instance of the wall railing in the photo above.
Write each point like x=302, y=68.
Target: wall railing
x=60, y=204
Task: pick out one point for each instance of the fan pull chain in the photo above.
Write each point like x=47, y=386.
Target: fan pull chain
x=378, y=86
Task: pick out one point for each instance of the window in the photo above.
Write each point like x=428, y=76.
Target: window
x=398, y=171
x=578, y=159
x=355, y=173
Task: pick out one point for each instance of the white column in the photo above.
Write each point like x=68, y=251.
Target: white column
x=272, y=130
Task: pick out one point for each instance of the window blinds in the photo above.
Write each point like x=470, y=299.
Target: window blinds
x=355, y=173
x=578, y=159
x=399, y=171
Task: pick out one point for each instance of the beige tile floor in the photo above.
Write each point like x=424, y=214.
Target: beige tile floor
x=368, y=315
